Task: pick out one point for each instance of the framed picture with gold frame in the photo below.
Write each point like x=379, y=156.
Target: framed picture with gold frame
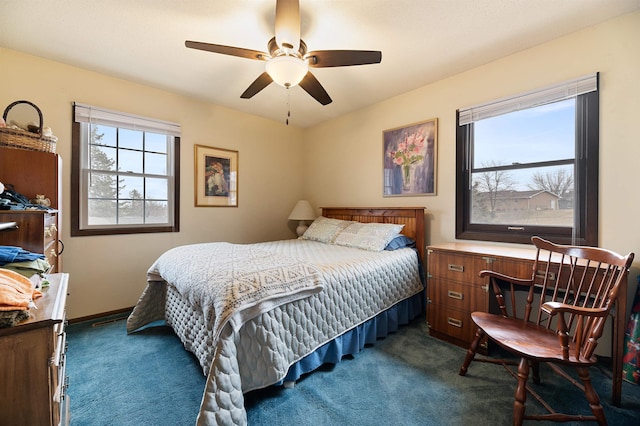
x=216, y=177
x=410, y=159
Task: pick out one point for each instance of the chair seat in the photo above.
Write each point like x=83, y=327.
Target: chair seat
x=527, y=339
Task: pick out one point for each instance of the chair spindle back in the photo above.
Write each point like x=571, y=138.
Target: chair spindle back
x=574, y=276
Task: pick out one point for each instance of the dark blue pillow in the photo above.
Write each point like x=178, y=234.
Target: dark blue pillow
x=401, y=241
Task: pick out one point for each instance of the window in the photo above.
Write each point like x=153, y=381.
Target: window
x=528, y=165
x=125, y=173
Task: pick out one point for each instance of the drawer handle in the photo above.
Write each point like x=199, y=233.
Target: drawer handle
x=541, y=274
x=456, y=268
x=48, y=232
x=454, y=295
x=454, y=322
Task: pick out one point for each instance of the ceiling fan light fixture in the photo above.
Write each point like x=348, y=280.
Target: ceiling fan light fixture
x=287, y=59
x=287, y=71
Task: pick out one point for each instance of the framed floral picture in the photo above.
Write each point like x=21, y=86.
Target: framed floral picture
x=216, y=177
x=409, y=159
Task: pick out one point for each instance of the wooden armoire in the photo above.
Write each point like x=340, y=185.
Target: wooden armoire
x=31, y=173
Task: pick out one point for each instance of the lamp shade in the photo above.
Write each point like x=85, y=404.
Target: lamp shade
x=287, y=71
x=302, y=211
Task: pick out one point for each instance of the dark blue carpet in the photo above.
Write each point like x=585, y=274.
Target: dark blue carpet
x=409, y=378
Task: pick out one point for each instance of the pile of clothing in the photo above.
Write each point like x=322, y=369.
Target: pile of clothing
x=17, y=294
x=10, y=199
x=17, y=291
x=22, y=261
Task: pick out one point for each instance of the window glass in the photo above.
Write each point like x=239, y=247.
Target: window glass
x=529, y=170
x=131, y=139
x=156, y=211
x=103, y=158
x=130, y=161
x=108, y=135
x=155, y=164
x=511, y=180
x=124, y=181
x=543, y=133
x=155, y=142
x=156, y=189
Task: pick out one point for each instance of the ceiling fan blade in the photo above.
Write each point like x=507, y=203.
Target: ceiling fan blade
x=228, y=50
x=312, y=86
x=342, y=58
x=260, y=83
x=288, y=25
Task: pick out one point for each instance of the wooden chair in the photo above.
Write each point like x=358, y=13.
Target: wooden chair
x=568, y=297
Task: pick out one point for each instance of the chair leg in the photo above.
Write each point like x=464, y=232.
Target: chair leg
x=535, y=366
x=592, y=396
x=471, y=352
x=521, y=392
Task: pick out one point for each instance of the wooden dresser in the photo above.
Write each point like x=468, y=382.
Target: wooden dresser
x=32, y=362
x=454, y=289
x=37, y=232
x=31, y=173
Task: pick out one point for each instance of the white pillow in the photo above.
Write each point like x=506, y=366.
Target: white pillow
x=324, y=229
x=368, y=236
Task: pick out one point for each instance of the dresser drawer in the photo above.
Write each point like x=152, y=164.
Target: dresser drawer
x=452, y=322
x=458, y=296
x=456, y=267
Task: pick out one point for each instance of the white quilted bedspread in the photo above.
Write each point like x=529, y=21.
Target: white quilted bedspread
x=235, y=282
x=358, y=285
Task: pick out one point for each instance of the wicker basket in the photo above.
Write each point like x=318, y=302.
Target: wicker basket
x=26, y=140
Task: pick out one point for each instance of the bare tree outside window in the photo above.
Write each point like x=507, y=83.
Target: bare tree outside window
x=486, y=188
x=559, y=182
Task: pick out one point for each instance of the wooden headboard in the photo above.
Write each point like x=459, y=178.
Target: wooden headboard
x=411, y=217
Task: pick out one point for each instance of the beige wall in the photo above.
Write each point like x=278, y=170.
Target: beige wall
x=344, y=156
x=343, y=160
x=336, y=163
x=108, y=272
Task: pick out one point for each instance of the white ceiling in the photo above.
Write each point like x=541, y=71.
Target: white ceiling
x=421, y=41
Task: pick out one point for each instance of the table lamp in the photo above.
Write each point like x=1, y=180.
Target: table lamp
x=302, y=212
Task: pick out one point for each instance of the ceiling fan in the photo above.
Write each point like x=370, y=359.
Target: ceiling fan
x=288, y=61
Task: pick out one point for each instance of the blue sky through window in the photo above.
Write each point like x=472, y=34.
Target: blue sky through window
x=543, y=133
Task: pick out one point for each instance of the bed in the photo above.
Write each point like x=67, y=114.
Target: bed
x=292, y=305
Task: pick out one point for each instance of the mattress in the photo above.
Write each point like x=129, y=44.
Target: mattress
x=357, y=285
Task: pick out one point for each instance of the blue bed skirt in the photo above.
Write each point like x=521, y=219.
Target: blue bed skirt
x=354, y=340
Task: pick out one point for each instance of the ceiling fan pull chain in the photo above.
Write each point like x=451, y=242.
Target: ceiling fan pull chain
x=288, y=105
